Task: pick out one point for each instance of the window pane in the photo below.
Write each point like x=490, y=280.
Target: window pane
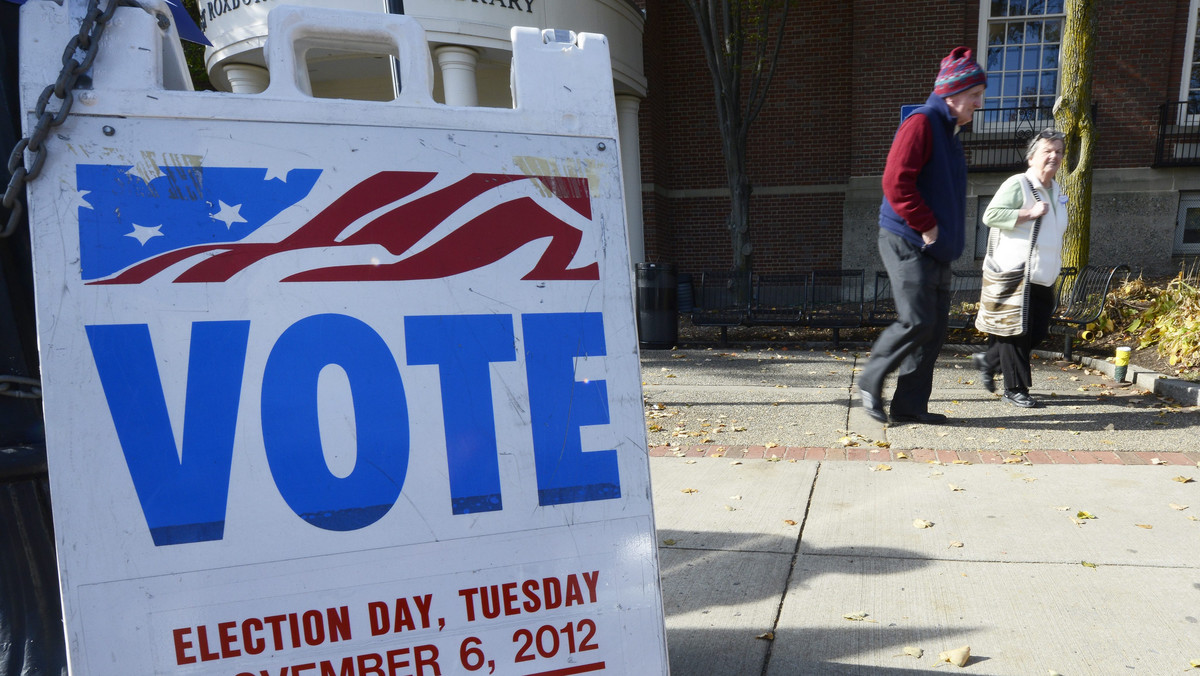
x=996, y=34
x=1012, y=85
x=1050, y=57
x=1033, y=31
x=1049, y=83
x=1191, y=227
x=1016, y=31
x=1011, y=103
x=995, y=58
x=1053, y=31
x=1054, y=6
x=999, y=7
x=1012, y=61
x=1037, y=7
x=1029, y=85
x=1033, y=58
x=1016, y=7
x=993, y=88
x=1195, y=83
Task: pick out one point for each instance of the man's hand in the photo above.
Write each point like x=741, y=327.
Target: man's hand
x=930, y=235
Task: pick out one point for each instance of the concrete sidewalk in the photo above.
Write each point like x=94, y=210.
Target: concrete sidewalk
x=798, y=513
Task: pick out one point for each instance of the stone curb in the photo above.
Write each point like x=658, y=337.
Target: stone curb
x=1181, y=391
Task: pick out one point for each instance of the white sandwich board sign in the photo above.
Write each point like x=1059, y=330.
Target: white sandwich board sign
x=338, y=387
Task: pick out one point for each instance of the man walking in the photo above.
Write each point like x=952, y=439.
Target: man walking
x=922, y=231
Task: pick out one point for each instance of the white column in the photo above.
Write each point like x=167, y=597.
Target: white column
x=631, y=170
x=458, y=74
x=245, y=78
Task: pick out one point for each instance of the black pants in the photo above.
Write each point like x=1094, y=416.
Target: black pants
x=1010, y=354
x=921, y=288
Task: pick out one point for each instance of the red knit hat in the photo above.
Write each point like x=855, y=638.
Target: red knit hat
x=959, y=73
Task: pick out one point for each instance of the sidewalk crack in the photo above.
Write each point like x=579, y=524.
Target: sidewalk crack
x=787, y=583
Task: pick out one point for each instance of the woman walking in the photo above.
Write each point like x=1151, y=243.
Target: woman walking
x=1027, y=220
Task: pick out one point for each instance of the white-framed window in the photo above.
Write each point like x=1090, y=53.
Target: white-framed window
x=1189, y=84
x=1187, y=229
x=1020, y=45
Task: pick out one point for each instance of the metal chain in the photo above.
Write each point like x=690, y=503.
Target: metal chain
x=87, y=41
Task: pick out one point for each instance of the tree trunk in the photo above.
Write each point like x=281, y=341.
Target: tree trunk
x=1073, y=116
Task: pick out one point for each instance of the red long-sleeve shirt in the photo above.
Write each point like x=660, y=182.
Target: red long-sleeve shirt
x=909, y=153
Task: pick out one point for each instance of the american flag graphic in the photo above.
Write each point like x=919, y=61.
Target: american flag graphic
x=190, y=224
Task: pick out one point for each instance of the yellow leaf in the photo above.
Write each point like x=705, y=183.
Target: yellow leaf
x=1183, y=479
x=1013, y=460
x=1087, y=564
x=855, y=617
x=769, y=636
x=689, y=490
x=881, y=468
x=961, y=462
x=771, y=444
x=922, y=523
x=954, y=487
x=728, y=508
x=902, y=456
x=958, y=657
x=956, y=543
x=789, y=522
x=668, y=542
x=1178, y=506
x=1156, y=461
x=1085, y=515
x=1144, y=525
x=913, y=652
x=885, y=444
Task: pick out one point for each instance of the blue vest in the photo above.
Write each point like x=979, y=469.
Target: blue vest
x=942, y=183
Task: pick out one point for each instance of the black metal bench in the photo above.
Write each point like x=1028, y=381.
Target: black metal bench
x=965, y=286
x=715, y=302
x=883, y=305
x=781, y=300
x=1081, y=296
x=964, y=300
x=836, y=301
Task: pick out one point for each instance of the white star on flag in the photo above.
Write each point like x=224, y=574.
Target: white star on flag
x=147, y=171
x=229, y=214
x=144, y=234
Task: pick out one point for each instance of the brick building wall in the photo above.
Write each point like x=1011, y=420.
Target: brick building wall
x=818, y=148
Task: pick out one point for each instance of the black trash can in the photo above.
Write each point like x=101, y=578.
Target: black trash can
x=657, y=324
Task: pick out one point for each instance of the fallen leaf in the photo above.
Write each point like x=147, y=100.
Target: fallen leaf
x=881, y=468
x=954, y=488
x=669, y=541
x=1013, y=460
x=735, y=497
x=1183, y=479
x=774, y=458
x=922, y=523
x=1178, y=507
x=961, y=462
x=789, y=522
x=689, y=490
x=1156, y=461
x=728, y=508
x=956, y=543
x=1193, y=518
x=1195, y=664
x=1144, y=525
x=910, y=651
x=771, y=444
x=769, y=636
x=736, y=462
x=857, y=617
x=902, y=456
x=1085, y=515
x=1088, y=564
x=958, y=657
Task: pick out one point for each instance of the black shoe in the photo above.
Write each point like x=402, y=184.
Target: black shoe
x=986, y=375
x=1021, y=399
x=921, y=418
x=872, y=405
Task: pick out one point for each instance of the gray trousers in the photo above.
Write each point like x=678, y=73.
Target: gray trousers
x=921, y=288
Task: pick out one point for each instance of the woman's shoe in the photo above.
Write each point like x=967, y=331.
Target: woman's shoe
x=1021, y=399
x=986, y=375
